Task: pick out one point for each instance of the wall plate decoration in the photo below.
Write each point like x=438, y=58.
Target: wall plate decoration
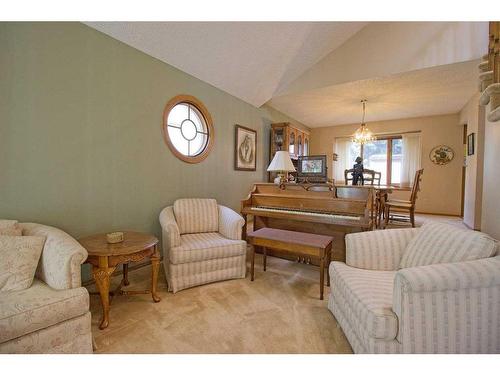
x=245, y=149
x=441, y=155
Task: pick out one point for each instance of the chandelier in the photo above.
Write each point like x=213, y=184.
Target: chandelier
x=363, y=134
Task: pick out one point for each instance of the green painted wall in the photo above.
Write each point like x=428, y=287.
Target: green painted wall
x=81, y=146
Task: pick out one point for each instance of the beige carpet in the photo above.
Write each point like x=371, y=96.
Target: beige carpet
x=279, y=312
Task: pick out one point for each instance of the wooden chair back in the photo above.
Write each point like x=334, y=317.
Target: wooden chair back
x=369, y=175
x=416, y=186
x=348, y=175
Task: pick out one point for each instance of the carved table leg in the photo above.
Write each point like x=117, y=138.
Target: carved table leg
x=328, y=261
x=125, y=274
x=101, y=276
x=155, y=267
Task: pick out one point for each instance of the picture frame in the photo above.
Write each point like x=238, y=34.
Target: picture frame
x=470, y=144
x=245, y=149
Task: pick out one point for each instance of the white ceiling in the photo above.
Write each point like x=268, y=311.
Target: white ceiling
x=250, y=60
x=318, y=72
x=426, y=92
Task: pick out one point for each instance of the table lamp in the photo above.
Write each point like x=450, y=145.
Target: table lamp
x=282, y=164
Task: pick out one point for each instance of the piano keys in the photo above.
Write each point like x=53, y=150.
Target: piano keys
x=320, y=209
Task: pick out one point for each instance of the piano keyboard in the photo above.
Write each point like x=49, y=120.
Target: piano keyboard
x=307, y=213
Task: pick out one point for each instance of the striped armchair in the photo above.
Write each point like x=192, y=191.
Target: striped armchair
x=435, y=289
x=201, y=243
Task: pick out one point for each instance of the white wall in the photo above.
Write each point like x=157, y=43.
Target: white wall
x=490, y=215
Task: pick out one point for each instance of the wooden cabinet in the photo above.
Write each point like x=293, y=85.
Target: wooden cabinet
x=284, y=136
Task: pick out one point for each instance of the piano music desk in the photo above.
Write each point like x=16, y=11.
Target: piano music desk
x=297, y=243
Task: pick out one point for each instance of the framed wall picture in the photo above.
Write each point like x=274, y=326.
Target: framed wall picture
x=470, y=144
x=245, y=149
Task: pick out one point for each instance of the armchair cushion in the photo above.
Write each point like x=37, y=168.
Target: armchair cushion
x=10, y=228
x=369, y=295
x=205, y=246
x=196, y=215
x=39, y=307
x=19, y=257
x=443, y=243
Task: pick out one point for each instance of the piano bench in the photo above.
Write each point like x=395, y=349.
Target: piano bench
x=297, y=243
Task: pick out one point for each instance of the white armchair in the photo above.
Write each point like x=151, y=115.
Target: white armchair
x=448, y=307
x=52, y=316
x=201, y=243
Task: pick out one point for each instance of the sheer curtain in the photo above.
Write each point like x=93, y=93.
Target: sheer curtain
x=411, y=158
x=343, y=150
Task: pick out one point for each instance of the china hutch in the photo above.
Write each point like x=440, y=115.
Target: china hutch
x=285, y=136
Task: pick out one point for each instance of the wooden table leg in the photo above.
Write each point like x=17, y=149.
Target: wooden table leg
x=321, y=277
x=252, y=261
x=328, y=261
x=125, y=274
x=264, y=252
x=101, y=276
x=155, y=267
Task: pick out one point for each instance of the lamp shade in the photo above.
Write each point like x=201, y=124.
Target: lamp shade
x=281, y=163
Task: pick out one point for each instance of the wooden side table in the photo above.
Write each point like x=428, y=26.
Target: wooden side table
x=105, y=257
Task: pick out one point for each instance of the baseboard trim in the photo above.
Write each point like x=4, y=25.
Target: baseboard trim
x=437, y=214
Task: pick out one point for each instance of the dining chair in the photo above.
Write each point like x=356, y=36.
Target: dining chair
x=404, y=205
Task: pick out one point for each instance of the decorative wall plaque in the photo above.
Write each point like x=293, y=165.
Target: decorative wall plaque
x=441, y=155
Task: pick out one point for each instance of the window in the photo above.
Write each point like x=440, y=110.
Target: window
x=187, y=128
x=382, y=155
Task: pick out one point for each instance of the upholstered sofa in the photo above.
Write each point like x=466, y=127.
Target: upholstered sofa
x=52, y=316
x=434, y=289
x=201, y=243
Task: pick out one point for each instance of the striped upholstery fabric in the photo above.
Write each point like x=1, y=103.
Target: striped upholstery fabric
x=444, y=243
x=369, y=297
x=361, y=342
x=196, y=215
x=187, y=275
x=449, y=308
x=378, y=250
x=205, y=246
x=170, y=231
x=203, y=257
x=230, y=223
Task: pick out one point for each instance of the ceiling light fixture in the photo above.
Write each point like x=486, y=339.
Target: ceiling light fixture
x=363, y=134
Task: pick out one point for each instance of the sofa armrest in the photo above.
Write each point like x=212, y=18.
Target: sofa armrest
x=230, y=223
x=449, y=307
x=61, y=259
x=170, y=230
x=379, y=250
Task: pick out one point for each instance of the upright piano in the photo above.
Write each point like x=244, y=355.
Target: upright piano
x=311, y=208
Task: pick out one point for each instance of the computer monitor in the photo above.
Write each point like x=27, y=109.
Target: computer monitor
x=312, y=168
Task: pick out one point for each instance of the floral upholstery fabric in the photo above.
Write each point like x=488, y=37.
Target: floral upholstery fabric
x=443, y=243
x=62, y=257
x=39, y=307
x=8, y=224
x=71, y=336
x=378, y=250
x=230, y=223
x=196, y=215
x=205, y=246
x=192, y=259
x=19, y=257
x=369, y=296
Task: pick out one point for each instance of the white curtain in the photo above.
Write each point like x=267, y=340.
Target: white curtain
x=342, y=149
x=411, y=160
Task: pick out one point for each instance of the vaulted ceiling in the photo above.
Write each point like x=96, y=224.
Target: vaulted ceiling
x=317, y=72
